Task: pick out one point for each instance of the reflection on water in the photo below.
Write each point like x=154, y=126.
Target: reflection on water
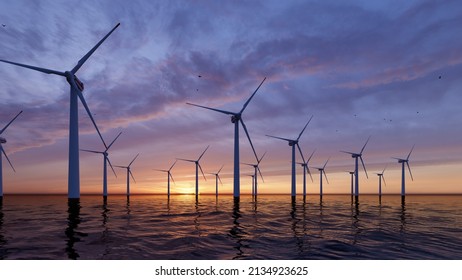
x=272, y=227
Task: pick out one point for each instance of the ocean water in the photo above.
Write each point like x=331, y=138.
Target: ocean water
x=272, y=227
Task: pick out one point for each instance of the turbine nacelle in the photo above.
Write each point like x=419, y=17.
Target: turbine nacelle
x=2, y=140
x=292, y=143
x=235, y=118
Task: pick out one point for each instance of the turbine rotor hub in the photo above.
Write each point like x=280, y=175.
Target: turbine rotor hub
x=2, y=140
x=235, y=118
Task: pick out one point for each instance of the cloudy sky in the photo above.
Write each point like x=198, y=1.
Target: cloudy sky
x=386, y=69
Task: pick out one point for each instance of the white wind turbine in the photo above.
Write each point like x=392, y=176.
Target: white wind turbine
x=322, y=171
x=2, y=152
x=198, y=166
x=169, y=175
x=235, y=119
x=256, y=169
x=105, y=162
x=306, y=169
x=294, y=143
x=403, y=174
x=381, y=178
x=360, y=156
x=76, y=88
x=129, y=173
x=217, y=178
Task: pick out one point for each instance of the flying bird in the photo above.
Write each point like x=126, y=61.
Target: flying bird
x=439, y=77
x=4, y=25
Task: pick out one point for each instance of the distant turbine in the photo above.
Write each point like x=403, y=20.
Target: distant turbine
x=169, y=175
x=253, y=183
x=305, y=169
x=75, y=94
x=198, y=166
x=217, y=178
x=236, y=118
x=294, y=143
x=352, y=173
x=360, y=156
x=403, y=175
x=2, y=151
x=256, y=168
x=381, y=177
x=321, y=171
x=129, y=173
x=105, y=162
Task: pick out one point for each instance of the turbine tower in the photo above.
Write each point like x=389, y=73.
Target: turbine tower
x=236, y=118
x=129, y=173
x=403, y=174
x=321, y=171
x=169, y=175
x=2, y=151
x=306, y=169
x=76, y=88
x=294, y=143
x=198, y=166
x=360, y=156
x=105, y=162
x=381, y=178
x=217, y=178
x=256, y=169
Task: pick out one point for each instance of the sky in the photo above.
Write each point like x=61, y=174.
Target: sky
x=388, y=70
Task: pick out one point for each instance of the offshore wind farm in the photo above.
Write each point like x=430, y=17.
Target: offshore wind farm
x=156, y=79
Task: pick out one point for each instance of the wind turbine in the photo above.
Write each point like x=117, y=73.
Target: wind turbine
x=256, y=168
x=105, y=162
x=352, y=173
x=321, y=171
x=76, y=88
x=198, y=166
x=2, y=151
x=381, y=178
x=403, y=175
x=294, y=143
x=305, y=169
x=360, y=156
x=217, y=178
x=235, y=119
x=169, y=175
x=129, y=173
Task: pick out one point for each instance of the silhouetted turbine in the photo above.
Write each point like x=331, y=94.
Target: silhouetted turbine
x=129, y=173
x=75, y=93
x=306, y=169
x=2, y=152
x=256, y=169
x=360, y=156
x=217, y=178
x=235, y=119
x=294, y=143
x=403, y=175
x=169, y=175
x=381, y=178
x=198, y=166
x=321, y=171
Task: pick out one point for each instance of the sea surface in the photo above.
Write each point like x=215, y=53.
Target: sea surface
x=272, y=227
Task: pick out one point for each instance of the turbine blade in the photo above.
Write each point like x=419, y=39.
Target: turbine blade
x=133, y=160
x=248, y=137
x=82, y=99
x=285, y=139
x=120, y=166
x=300, y=150
x=364, y=146
x=161, y=170
x=6, y=126
x=410, y=152
x=113, y=141
x=220, y=169
x=364, y=166
x=397, y=158
x=131, y=174
x=383, y=178
x=171, y=176
x=310, y=157
x=326, y=163
x=203, y=153
x=300, y=135
x=261, y=176
x=384, y=169
x=219, y=179
x=200, y=167
x=258, y=162
x=189, y=160
x=43, y=70
x=90, y=151
x=110, y=164
x=410, y=172
x=172, y=165
x=309, y=172
x=348, y=152
x=213, y=109
x=6, y=156
x=250, y=98
x=325, y=175
x=85, y=57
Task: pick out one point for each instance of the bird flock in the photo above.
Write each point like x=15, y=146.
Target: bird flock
x=76, y=94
